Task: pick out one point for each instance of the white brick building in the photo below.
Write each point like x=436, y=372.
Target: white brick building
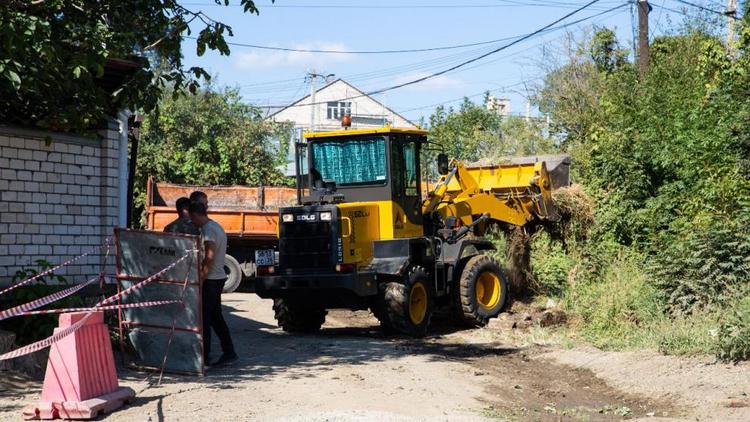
x=335, y=100
x=500, y=106
x=60, y=196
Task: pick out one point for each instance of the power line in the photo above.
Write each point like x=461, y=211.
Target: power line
x=395, y=51
x=524, y=82
x=381, y=73
x=707, y=9
x=290, y=84
x=682, y=12
x=497, y=50
x=486, y=91
x=323, y=51
x=560, y=27
x=460, y=65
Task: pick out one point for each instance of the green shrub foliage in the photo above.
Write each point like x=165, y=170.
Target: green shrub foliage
x=657, y=236
x=734, y=333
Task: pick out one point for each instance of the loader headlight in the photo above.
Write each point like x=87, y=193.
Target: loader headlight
x=325, y=216
x=287, y=218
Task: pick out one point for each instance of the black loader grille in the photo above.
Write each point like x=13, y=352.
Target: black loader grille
x=305, y=244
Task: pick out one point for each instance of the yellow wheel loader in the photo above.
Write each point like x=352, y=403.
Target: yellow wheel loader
x=366, y=236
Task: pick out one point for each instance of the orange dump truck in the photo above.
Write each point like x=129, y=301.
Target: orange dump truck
x=249, y=216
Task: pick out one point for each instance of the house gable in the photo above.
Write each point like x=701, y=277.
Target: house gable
x=335, y=99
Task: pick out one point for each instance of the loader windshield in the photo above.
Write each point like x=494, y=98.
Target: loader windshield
x=353, y=161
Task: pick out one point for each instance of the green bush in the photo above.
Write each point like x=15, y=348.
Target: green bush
x=684, y=334
x=29, y=329
x=550, y=266
x=613, y=308
x=705, y=263
x=734, y=333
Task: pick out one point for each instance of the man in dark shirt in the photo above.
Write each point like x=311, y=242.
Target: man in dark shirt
x=182, y=224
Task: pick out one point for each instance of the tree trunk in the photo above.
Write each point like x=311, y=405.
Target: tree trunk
x=518, y=251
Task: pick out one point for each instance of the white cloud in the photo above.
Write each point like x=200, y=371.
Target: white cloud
x=442, y=82
x=259, y=59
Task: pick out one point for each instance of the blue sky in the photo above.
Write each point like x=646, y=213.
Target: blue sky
x=276, y=78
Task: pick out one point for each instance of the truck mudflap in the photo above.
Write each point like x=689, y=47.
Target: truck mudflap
x=361, y=284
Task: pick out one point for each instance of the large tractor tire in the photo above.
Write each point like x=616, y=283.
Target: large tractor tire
x=406, y=305
x=234, y=274
x=378, y=310
x=482, y=291
x=298, y=317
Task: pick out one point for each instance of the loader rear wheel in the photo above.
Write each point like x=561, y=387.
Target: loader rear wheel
x=482, y=291
x=298, y=317
x=408, y=304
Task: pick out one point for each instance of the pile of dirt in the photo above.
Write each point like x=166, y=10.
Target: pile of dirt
x=522, y=316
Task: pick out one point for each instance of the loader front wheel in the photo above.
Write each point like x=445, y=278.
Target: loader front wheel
x=295, y=316
x=482, y=291
x=408, y=304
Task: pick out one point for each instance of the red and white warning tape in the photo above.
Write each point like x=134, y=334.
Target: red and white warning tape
x=53, y=269
x=144, y=282
x=104, y=308
x=38, y=303
x=41, y=344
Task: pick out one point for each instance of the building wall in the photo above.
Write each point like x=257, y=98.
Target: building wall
x=58, y=199
x=500, y=106
x=371, y=111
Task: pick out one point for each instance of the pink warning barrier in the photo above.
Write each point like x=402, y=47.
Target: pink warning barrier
x=81, y=381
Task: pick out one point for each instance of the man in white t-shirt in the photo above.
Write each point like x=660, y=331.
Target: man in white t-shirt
x=212, y=272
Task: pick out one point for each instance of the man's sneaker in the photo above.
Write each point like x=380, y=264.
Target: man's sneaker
x=226, y=359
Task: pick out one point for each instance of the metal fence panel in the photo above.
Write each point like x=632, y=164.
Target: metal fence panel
x=185, y=350
x=174, y=330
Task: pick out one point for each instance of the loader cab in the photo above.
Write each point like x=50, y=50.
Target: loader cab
x=366, y=165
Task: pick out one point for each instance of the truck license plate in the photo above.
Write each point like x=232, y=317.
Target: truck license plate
x=264, y=257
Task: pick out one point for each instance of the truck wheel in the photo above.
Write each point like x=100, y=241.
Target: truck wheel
x=234, y=274
x=408, y=304
x=296, y=317
x=482, y=291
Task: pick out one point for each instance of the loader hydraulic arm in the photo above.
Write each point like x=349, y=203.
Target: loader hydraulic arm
x=509, y=193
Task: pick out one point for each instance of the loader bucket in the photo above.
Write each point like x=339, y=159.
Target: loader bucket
x=558, y=167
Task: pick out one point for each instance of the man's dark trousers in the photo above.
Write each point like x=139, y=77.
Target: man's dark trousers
x=212, y=318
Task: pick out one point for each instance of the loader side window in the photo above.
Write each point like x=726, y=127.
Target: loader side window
x=410, y=168
x=405, y=169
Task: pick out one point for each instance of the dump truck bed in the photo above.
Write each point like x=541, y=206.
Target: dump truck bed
x=242, y=211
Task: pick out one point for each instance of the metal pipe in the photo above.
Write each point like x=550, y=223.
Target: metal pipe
x=297, y=166
x=122, y=169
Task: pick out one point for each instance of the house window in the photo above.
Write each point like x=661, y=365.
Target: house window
x=339, y=109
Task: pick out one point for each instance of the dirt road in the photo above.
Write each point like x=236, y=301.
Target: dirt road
x=351, y=371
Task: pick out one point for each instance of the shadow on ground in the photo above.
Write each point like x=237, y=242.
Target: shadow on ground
x=265, y=350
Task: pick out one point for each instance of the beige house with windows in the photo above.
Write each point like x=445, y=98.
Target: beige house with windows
x=332, y=102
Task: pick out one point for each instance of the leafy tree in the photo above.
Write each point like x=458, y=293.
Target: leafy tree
x=211, y=138
x=665, y=158
x=474, y=133
x=54, y=53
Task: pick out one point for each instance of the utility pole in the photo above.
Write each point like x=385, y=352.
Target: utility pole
x=731, y=17
x=313, y=76
x=643, y=56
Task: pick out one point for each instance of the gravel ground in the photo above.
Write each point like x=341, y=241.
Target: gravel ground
x=352, y=371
